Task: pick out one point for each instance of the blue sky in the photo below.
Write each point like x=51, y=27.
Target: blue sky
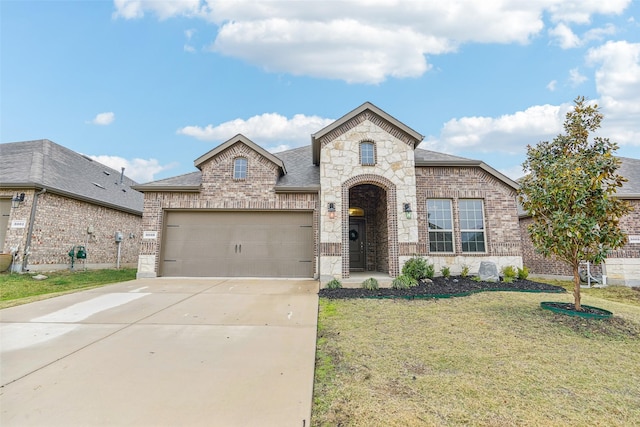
x=152, y=85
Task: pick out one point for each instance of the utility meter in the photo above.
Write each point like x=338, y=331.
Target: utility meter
x=119, y=236
x=81, y=253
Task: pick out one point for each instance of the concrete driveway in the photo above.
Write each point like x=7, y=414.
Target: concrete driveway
x=162, y=352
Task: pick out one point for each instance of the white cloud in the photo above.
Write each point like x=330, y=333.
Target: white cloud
x=366, y=41
x=269, y=129
x=139, y=170
x=163, y=9
x=513, y=172
x=618, y=84
x=552, y=85
x=576, y=78
x=509, y=133
x=103, y=119
x=563, y=35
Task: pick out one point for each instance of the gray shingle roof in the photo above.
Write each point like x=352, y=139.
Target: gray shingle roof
x=45, y=164
x=301, y=172
x=630, y=169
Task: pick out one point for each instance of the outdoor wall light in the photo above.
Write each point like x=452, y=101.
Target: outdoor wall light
x=407, y=210
x=19, y=198
x=332, y=210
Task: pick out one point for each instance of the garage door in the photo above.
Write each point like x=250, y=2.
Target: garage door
x=238, y=244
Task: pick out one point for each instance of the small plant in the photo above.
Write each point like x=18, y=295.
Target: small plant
x=403, y=282
x=465, y=271
x=476, y=279
x=418, y=268
x=446, y=272
x=370, y=284
x=431, y=271
x=523, y=273
x=509, y=274
x=334, y=284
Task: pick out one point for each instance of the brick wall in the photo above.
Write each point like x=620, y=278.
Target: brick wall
x=61, y=223
x=552, y=266
x=219, y=191
x=454, y=183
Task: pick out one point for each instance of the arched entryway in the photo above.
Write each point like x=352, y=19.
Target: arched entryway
x=370, y=237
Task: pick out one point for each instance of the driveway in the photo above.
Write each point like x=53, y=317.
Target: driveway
x=162, y=352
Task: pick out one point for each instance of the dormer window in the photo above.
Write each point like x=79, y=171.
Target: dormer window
x=240, y=168
x=367, y=154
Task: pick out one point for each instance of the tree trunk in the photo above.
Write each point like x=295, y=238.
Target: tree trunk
x=576, y=287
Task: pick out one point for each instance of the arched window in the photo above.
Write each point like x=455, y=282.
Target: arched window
x=367, y=153
x=240, y=168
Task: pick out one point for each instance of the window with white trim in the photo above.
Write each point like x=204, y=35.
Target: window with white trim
x=472, y=234
x=240, y=168
x=367, y=154
x=440, y=223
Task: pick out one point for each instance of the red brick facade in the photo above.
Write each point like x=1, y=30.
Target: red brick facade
x=455, y=183
x=60, y=223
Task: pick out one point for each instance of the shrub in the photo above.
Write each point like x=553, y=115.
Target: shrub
x=508, y=274
x=334, y=284
x=403, y=282
x=370, y=284
x=418, y=268
x=465, y=271
x=446, y=272
x=523, y=273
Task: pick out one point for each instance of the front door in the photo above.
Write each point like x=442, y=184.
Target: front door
x=357, y=253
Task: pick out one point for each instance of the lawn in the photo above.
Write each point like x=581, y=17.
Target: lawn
x=493, y=359
x=16, y=289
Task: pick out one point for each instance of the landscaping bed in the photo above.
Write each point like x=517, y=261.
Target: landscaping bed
x=441, y=287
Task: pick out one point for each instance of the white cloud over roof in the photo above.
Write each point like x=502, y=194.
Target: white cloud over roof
x=269, y=129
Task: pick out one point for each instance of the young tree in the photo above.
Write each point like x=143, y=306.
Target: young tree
x=569, y=192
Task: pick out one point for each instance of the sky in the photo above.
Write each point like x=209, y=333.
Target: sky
x=152, y=85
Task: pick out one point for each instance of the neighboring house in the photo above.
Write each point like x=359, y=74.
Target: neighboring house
x=622, y=266
x=53, y=199
x=360, y=198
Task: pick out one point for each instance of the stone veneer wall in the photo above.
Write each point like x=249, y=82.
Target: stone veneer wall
x=502, y=232
x=219, y=191
x=340, y=169
x=61, y=223
x=622, y=265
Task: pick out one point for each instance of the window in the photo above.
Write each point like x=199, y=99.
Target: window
x=367, y=154
x=240, y=168
x=440, y=225
x=471, y=226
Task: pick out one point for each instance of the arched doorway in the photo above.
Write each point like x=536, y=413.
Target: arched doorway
x=370, y=238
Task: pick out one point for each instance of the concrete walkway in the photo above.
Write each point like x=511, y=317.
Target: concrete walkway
x=162, y=352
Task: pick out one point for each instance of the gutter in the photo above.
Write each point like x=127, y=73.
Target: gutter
x=27, y=246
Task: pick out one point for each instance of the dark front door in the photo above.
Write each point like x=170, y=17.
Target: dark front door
x=357, y=254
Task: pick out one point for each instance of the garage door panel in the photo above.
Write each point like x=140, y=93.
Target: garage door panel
x=234, y=244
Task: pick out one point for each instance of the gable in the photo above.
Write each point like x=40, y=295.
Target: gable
x=243, y=140
x=366, y=111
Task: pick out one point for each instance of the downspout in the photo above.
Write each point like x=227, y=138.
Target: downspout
x=318, y=244
x=27, y=247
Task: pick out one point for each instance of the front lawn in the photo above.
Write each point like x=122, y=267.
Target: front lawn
x=493, y=358
x=16, y=289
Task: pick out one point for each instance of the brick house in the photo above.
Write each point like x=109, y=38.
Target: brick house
x=360, y=198
x=622, y=266
x=53, y=199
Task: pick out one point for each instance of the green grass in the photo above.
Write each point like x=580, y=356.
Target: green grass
x=16, y=289
x=493, y=359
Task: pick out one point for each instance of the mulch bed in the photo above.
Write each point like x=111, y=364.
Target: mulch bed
x=441, y=287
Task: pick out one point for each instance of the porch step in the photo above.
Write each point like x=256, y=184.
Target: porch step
x=355, y=280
